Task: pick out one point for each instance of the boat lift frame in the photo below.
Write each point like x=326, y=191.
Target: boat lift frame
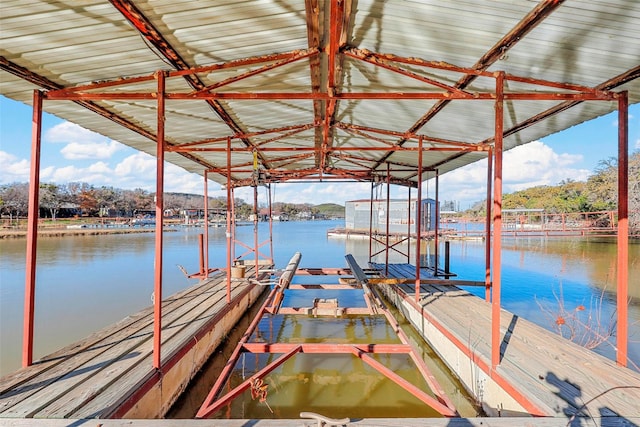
x=216, y=400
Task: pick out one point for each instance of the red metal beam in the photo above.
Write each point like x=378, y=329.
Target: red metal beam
x=418, y=222
x=52, y=87
x=223, y=139
x=383, y=63
x=206, y=223
x=378, y=58
x=325, y=348
x=497, y=225
x=230, y=221
x=208, y=410
x=155, y=37
x=157, y=293
x=538, y=14
x=292, y=57
x=312, y=11
x=530, y=407
x=487, y=227
x=271, y=96
x=623, y=230
x=406, y=385
x=32, y=231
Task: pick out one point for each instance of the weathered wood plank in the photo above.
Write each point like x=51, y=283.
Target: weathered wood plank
x=540, y=363
x=92, y=351
x=122, y=353
x=47, y=362
x=134, y=358
x=118, y=390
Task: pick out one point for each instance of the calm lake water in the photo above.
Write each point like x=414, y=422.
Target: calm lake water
x=86, y=283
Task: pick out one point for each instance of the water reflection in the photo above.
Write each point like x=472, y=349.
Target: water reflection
x=333, y=385
x=102, y=279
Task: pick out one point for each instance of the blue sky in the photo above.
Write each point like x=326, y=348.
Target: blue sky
x=70, y=153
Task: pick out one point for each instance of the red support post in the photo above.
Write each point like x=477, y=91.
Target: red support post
x=387, y=229
x=370, y=223
x=623, y=228
x=157, y=318
x=255, y=227
x=437, y=224
x=32, y=231
x=497, y=223
x=487, y=228
x=270, y=224
x=409, y=226
x=230, y=214
x=418, y=221
x=206, y=225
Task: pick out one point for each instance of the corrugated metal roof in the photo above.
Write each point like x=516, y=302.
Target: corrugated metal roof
x=381, y=52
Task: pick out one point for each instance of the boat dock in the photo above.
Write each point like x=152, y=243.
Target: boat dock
x=540, y=373
x=110, y=374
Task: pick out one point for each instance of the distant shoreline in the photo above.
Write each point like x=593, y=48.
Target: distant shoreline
x=62, y=232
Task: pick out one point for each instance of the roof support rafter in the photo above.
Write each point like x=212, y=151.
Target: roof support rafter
x=312, y=11
x=223, y=139
x=380, y=62
x=49, y=85
x=149, y=32
x=292, y=57
x=607, y=86
x=538, y=14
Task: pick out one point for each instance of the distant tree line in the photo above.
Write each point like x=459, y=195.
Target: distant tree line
x=82, y=199
x=598, y=193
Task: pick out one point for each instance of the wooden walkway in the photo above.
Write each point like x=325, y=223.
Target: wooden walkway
x=105, y=374
x=555, y=374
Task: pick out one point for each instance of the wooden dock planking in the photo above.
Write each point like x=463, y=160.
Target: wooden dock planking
x=543, y=366
x=94, y=372
x=111, y=397
x=26, y=382
x=135, y=357
x=113, y=343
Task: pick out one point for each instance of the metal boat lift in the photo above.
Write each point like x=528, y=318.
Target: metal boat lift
x=217, y=399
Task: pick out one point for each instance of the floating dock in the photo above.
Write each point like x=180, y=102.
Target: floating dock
x=110, y=374
x=540, y=373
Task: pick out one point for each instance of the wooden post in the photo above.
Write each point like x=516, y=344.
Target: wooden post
x=32, y=231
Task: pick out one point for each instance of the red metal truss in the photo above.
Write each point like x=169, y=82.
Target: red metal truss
x=538, y=14
x=215, y=401
x=155, y=37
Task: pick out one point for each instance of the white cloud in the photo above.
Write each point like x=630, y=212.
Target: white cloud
x=90, y=150
x=525, y=166
x=13, y=169
x=135, y=171
x=638, y=143
x=67, y=131
x=81, y=143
